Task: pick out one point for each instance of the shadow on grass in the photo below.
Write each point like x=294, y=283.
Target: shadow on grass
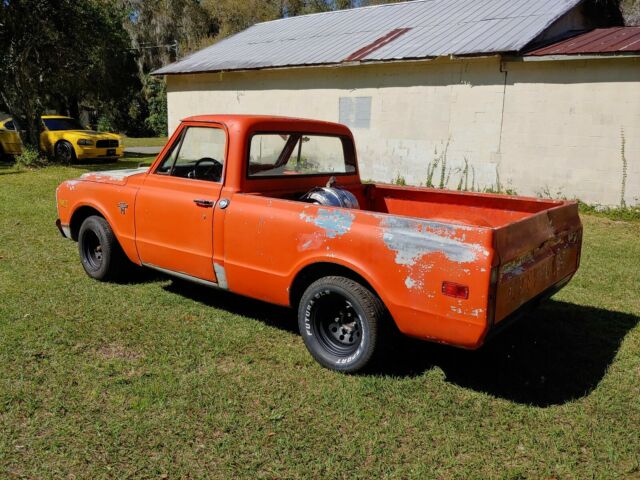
x=134, y=155
x=92, y=165
x=555, y=354
x=272, y=315
x=4, y=171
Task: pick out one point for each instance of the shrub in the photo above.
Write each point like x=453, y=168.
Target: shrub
x=30, y=158
x=399, y=180
x=105, y=124
x=627, y=214
x=156, y=94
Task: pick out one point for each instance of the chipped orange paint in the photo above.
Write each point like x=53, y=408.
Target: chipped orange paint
x=404, y=241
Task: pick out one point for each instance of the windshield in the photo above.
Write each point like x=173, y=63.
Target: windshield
x=62, y=124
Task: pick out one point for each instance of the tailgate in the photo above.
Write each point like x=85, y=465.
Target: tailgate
x=536, y=254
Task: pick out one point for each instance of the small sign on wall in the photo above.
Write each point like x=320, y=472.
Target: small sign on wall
x=355, y=112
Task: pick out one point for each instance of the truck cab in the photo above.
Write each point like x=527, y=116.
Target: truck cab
x=274, y=209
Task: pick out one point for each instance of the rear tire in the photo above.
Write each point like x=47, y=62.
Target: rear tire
x=339, y=320
x=100, y=253
x=64, y=153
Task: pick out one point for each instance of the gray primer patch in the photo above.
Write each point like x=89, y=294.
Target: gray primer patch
x=334, y=222
x=411, y=239
x=221, y=276
x=411, y=283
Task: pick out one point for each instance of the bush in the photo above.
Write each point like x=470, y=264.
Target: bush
x=30, y=158
x=105, y=124
x=156, y=94
x=627, y=214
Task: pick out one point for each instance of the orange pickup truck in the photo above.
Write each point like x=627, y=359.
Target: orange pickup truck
x=273, y=208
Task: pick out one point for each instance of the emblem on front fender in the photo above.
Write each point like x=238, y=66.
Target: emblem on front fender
x=123, y=207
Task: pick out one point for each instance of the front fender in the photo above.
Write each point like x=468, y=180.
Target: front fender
x=114, y=203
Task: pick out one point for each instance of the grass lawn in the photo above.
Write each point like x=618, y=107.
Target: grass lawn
x=144, y=141
x=162, y=380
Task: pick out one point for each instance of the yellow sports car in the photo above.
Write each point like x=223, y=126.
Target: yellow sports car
x=66, y=140
x=10, y=143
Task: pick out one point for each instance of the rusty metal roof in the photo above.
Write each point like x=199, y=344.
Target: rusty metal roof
x=411, y=30
x=618, y=40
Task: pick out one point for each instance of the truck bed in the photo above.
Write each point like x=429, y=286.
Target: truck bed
x=535, y=242
x=464, y=208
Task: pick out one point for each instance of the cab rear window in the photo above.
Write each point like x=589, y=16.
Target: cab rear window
x=274, y=155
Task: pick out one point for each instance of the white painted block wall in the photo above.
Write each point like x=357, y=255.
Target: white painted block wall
x=542, y=127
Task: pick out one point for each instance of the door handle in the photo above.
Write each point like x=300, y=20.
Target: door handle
x=204, y=203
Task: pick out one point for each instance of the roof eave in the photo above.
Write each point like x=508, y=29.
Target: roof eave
x=576, y=56
x=339, y=64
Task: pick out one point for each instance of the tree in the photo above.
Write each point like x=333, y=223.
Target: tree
x=60, y=52
x=631, y=11
x=25, y=63
x=160, y=29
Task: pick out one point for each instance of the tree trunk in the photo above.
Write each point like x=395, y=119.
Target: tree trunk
x=30, y=125
x=74, y=107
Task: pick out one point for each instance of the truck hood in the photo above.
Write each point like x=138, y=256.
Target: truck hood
x=116, y=177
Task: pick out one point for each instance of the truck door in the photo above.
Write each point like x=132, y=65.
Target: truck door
x=175, y=206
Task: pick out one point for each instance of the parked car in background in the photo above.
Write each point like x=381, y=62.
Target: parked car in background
x=274, y=208
x=66, y=140
x=10, y=143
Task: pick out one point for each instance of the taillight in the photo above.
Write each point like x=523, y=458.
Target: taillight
x=455, y=290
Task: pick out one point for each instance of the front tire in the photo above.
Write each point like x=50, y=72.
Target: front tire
x=100, y=253
x=64, y=153
x=339, y=320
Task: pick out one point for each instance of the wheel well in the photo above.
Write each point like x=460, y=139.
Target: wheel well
x=79, y=216
x=316, y=271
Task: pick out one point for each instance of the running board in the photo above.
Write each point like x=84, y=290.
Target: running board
x=183, y=276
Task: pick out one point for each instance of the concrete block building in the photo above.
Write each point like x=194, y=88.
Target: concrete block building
x=541, y=97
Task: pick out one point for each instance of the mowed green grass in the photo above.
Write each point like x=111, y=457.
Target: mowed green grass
x=158, y=379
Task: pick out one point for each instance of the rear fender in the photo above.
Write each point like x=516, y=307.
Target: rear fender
x=329, y=266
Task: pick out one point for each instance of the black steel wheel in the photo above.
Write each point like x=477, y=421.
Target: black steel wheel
x=339, y=320
x=64, y=152
x=92, y=250
x=100, y=253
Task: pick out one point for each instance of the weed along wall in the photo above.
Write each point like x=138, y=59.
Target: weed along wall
x=550, y=128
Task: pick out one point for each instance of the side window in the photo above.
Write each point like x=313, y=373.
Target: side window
x=167, y=164
x=199, y=154
x=10, y=125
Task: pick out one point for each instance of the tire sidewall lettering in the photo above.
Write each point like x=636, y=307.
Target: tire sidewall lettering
x=309, y=330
